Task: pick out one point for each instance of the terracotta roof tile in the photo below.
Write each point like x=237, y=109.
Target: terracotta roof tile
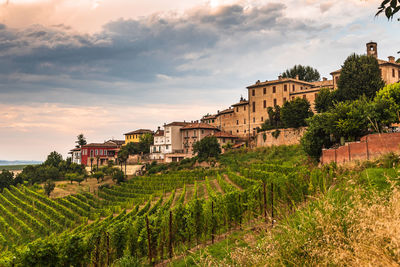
x=140, y=131
x=199, y=126
x=177, y=123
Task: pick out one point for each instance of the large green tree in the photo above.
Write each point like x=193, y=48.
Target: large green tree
x=360, y=75
x=305, y=73
x=206, y=148
x=53, y=159
x=324, y=100
x=294, y=113
x=6, y=179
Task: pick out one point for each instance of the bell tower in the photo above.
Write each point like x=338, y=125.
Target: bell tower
x=372, y=49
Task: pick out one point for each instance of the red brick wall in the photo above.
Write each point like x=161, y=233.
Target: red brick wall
x=370, y=146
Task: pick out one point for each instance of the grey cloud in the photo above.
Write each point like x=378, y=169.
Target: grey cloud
x=139, y=51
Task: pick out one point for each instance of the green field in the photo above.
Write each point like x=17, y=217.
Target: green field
x=12, y=167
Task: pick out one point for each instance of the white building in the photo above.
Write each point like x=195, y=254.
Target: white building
x=75, y=155
x=168, y=143
x=157, y=150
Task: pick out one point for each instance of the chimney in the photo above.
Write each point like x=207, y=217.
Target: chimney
x=391, y=59
x=297, y=77
x=324, y=78
x=158, y=128
x=280, y=77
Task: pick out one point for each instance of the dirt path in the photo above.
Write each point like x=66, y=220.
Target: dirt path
x=232, y=183
x=217, y=186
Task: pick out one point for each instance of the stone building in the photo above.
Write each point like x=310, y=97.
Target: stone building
x=390, y=70
x=157, y=150
x=194, y=132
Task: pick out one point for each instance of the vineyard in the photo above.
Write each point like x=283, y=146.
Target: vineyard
x=152, y=218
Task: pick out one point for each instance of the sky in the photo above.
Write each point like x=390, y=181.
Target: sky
x=107, y=67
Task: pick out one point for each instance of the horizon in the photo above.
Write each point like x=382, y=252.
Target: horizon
x=103, y=68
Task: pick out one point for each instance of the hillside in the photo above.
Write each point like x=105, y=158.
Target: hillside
x=156, y=217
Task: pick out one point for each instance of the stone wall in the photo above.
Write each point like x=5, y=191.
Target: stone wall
x=288, y=136
x=369, y=147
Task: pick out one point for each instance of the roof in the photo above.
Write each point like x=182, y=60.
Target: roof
x=177, y=123
x=140, y=131
x=380, y=62
x=117, y=142
x=76, y=149
x=159, y=133
x=225, y=111
x=327, y=83
x=108, y=145
x=222, y=135
x=241, y=103
x=199, y=126
x=209, y=117
x=283, y=80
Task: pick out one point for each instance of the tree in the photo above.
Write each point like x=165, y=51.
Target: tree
x=305, y=73
x=53, y=159
x=98, y=176
x=389, y=7
x=207, y=147
x=145, y=141
x=324, y=100
x=360, y=75
x=118, y=176
x=49, y=187
x=6, y=179
x=398, y=60
x=123, y=156
x=81, y=140
x=294, y=113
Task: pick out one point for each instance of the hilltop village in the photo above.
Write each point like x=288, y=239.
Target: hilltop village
x=233, y=127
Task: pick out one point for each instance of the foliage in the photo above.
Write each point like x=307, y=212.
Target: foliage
x=81, y=140
x=295, y=112
x=360, y=75
x=276, y=133
x=305, y=73
x=49, y=187
x=389, y=7
x=145, y=141
x=118, y=176
x=207, y=148
x=274, y=119
x=6, y=179
x=324, y=100
x=99, y=176
x=53, y=159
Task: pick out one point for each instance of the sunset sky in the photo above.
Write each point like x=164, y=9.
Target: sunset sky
x=106, y=67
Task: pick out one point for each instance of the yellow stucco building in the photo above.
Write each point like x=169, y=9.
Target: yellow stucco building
x=134, y=136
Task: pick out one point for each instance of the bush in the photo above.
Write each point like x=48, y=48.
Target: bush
x=294, y=113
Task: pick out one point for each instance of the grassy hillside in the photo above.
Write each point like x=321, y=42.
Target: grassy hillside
x=354, y=223
x=155, y=217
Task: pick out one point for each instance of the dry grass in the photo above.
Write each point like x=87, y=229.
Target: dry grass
x=364, y=233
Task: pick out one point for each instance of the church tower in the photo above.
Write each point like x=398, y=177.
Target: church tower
x=372, y=49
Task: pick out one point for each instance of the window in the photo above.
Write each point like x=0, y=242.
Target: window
x=399, y=74
x=254, y=106
x=237, y=131
x=264, y=91
x=393, y=73
x=202, y=131
x=244, y=108
x=274, y=89
x=274, y=102
x=336, y=80
x=101, y=151
x=244, y=121
x=166, y=147
x=194, y=133
x=262, y=118
x=237, y=109
x=294, y=88
x=265, y=103
x=304, y=97
x=254, y=119
x=253, y=93
x=223, y=140
x=91, y=153
x=285, y=87
x=301, y=88
x=284, y=99
x=97, y=152
x=237, y=122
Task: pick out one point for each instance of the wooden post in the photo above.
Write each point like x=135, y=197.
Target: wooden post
x=349, y=152
x=240, y=213
x=148, y=239
x=170, y=234
x=212, y=220
x=335, y=155
x=265, y=203
x=366, y=143
x=272, y=203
